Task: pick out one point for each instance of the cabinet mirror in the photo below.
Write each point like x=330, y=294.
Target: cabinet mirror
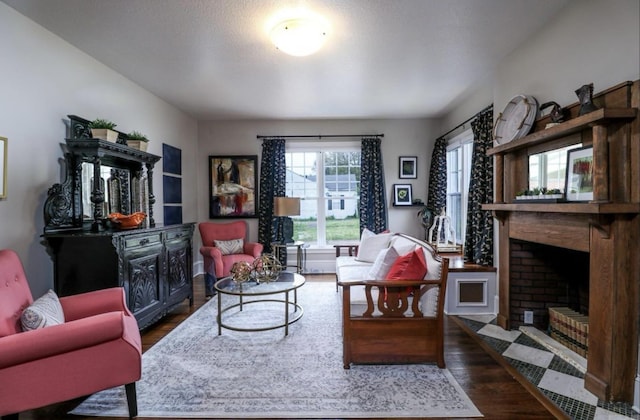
x=119, y=190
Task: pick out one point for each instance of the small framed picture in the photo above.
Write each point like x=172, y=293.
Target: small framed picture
x=579, y=180
x=402, y=195
x=408, y=167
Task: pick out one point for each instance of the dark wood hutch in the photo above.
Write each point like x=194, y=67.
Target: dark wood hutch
x=607, y=228
x=152, y=263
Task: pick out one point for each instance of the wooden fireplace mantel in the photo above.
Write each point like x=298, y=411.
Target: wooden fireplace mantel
x=608, y=228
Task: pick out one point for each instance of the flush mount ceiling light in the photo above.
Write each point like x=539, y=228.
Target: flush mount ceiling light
x=299, y=36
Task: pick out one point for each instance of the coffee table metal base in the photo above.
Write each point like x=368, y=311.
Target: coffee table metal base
x=287, y=321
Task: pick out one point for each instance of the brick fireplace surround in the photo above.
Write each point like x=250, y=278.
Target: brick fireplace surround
x=602, y=236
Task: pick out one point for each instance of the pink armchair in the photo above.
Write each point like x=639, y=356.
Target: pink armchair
x=217, y=265
x=97, y=347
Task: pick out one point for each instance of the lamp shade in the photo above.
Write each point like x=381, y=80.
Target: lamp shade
x=299, y=36
x=286, y=206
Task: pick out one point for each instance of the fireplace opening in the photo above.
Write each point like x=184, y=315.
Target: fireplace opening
x=543, y=277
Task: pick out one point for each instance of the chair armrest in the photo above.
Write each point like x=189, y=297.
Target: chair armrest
x=352, y=249
x=93, y=303
x=253, y=248
x=58, y=339
x=210, y=252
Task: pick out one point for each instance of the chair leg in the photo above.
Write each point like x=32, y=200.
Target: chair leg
x=132, y=400
x=209, y=281
x=10, y=416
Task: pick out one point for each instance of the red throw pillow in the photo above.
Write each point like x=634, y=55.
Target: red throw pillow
x=411, y=266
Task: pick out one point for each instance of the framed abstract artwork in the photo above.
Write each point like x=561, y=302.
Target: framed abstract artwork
x=233, y=184
x=408, y=167
x=3, y=167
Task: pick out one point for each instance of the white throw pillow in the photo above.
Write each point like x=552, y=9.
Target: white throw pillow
x=43, y=312
x=382, y=264
x=234, y=246
x=371, y=245
x=403, y=245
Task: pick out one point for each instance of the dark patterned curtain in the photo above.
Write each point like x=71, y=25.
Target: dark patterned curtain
x=437, y=195
x=478, y=243
x=272, y=184
x=373, y=204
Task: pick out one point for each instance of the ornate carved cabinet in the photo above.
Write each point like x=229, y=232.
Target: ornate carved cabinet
x=152, y=263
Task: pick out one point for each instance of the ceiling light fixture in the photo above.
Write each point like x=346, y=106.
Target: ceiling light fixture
x=300, y=36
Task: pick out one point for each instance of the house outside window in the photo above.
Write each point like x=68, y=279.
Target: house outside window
x=459, y=151
x=327, y=180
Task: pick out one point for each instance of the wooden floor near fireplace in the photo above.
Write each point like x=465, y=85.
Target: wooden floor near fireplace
x=490, y=384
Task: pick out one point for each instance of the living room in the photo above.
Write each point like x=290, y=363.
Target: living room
x=46, y=78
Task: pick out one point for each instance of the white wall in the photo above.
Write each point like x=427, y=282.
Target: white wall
x=43, y=79
x=405, y=137
x=589, y=41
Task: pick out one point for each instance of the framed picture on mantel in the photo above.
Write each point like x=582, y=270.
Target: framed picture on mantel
x=579, y=180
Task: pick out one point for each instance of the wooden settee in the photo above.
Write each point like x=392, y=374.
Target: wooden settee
x=399, y=321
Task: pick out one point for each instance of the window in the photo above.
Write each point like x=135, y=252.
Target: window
x=459, y=150
x=327, y=180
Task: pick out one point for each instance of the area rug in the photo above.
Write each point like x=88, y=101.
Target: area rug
x=195, y=373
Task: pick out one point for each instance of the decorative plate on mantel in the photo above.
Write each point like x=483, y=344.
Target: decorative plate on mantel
x=516, y=120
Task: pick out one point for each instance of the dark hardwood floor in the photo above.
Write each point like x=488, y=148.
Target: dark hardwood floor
x=496, y=389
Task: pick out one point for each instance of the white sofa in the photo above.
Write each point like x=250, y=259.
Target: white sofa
x=382, y=321
x=359, y=263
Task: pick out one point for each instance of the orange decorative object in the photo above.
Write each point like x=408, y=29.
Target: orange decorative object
x=130, y=221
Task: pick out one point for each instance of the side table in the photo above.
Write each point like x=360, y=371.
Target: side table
x=301, y=254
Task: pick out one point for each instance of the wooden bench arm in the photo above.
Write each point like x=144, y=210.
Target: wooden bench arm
x=351, y=249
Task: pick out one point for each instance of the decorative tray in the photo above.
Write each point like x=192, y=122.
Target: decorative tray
x=516, y=120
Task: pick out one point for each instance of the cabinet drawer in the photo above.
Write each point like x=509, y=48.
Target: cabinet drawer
x=173, y=235
x=142, y=240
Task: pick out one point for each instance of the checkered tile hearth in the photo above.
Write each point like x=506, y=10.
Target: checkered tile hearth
x=558, y=378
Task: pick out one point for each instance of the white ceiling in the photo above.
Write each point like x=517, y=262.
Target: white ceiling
x=383, y=58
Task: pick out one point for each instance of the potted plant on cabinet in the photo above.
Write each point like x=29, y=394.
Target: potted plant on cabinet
x=103, y=129
x=137, y=140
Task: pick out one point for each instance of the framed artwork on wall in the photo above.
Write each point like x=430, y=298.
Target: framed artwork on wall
x=402, y=195
x=579, y=180
x=233, y=184
x=3, y=167
x=408, y=167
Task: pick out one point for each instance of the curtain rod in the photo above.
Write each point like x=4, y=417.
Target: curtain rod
x=319, y=136
x=467, y=120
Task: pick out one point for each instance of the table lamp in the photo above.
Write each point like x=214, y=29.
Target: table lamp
x=283, y=207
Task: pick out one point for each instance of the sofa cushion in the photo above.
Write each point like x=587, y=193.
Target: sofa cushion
x=371, y=244
x=411, y=266
x=382, y=264
x=402, y=245
x=43, y=312
x=429, y=302
x=234, y=246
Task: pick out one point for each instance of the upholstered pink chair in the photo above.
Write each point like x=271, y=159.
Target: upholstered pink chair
x=97, y=346
x=216, y=263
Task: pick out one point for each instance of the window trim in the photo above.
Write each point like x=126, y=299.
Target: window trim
x=459, y=141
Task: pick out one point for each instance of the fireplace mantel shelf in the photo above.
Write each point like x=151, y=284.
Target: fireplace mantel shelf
x=581, y=208
x=575, y=125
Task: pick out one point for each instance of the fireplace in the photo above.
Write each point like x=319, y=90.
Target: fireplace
x=543, y=277
x=596, y=240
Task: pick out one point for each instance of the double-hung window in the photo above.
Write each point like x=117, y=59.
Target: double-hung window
x=327, y=179
x=459, y=151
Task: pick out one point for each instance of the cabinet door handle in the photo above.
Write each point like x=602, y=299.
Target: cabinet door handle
x=143, y=241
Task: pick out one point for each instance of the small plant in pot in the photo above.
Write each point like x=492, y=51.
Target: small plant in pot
x=137, y=140
x=103, y=129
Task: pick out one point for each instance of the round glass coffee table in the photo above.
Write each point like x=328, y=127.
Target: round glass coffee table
x=261, y=292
